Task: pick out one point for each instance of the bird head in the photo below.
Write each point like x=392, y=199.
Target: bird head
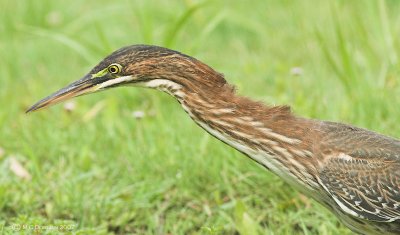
x=137, y=65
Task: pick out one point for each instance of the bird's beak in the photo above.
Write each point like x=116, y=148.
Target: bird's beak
x=83, y=86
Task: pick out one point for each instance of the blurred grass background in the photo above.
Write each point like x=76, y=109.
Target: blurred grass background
x=99, y=170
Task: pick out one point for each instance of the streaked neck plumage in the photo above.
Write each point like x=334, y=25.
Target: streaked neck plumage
x=261, y=132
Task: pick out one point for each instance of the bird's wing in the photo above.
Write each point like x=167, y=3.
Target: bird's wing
x=362, y=188
x=363, y=173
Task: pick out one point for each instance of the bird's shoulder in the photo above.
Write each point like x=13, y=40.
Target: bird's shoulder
x=358, y=143
x=361, y=171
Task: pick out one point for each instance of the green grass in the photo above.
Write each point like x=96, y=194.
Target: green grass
x=98, y=170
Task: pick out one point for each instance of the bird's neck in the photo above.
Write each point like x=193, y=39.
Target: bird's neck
x=272, y=136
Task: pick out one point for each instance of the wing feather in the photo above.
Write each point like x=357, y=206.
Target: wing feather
x=368, y=190
x=362, y=173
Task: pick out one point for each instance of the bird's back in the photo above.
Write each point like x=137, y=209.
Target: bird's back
x=360, y=170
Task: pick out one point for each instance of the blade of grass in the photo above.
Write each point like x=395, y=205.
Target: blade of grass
x=173, y=31
x=61, y=38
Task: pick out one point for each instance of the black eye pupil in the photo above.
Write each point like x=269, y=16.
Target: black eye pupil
x=113, y=69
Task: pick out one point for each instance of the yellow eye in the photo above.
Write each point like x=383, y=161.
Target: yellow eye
x=114, y=68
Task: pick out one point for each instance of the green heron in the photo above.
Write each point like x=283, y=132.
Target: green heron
x=354, y=172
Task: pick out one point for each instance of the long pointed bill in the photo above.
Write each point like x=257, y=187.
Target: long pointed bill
x=83, y=86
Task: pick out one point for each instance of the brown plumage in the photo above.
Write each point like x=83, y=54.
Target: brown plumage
x=353, y=172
